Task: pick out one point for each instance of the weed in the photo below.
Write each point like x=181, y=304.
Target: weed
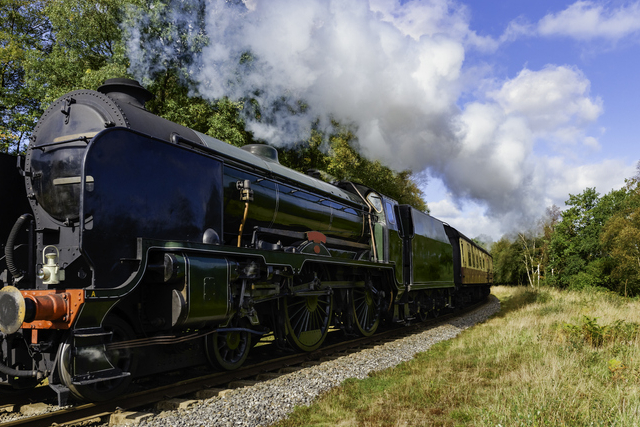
x=589, y=331
x=516, y=369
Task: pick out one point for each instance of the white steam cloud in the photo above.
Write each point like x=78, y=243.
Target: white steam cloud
x=396, y=71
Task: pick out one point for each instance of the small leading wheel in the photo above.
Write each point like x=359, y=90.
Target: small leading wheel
x=228, y=350
x=307, y=320
x=126, y=359
x=365, y=304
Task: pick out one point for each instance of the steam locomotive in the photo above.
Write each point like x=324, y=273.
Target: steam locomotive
x=133, y=246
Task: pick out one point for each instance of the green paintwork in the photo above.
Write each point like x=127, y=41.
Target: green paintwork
x=431, y=252
x=93, y=311
x=278, y=203
x=283, y=198
x=394, y=251
x=208, y=289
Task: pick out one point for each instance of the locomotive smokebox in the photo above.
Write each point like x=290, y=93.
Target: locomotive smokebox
x=126, y=90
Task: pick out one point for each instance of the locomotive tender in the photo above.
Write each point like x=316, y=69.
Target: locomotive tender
x=132, y=245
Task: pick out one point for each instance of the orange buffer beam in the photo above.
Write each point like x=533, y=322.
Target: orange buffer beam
x=51, y=309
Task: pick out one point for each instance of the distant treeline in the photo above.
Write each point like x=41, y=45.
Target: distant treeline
x=593, y=243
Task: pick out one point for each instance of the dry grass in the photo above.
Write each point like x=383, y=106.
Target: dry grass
x=538, y=362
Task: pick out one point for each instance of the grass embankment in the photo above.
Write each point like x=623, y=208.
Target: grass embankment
x=548, y=358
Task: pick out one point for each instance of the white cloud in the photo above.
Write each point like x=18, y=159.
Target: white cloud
x=566, y=179
x=397, y=76
x=468, y=217
x=587, y=20
x=498, y=162
x=397, y=72
x=551, y=99
x=444, y=208
x=555, y=179
x=432, y=18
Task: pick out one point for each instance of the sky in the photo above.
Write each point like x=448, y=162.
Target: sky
x=501, y=109
x=597, y=43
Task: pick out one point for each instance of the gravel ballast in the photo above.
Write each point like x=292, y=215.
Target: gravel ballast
x=270, y=401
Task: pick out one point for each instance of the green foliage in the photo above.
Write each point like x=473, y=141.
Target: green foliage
x=49, y=48
x=164, y=36
x=507, y=265
x=338, y=156
x=86, y=49
x=24, y=31
x=483, y=241
x=577, y=256
x=590, y=332
x=620, y=238
x=221, y=119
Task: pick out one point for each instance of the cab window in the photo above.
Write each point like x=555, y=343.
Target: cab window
x=375, y=201
x=391, y=215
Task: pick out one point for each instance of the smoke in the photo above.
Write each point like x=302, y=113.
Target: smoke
x=396, y=72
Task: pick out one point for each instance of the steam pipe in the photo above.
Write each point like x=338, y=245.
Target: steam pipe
x=244, y=219
x=373, y=236
x=8, y=250
x=246, y=195
x=20, y=373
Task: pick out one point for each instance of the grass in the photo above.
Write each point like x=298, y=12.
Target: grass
x=549, y=358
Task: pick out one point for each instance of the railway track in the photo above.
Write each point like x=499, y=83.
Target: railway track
x=181, y=393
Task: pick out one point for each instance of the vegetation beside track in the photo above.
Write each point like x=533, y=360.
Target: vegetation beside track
x=550, y=357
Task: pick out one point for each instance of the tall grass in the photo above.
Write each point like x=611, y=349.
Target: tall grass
x=549, y=358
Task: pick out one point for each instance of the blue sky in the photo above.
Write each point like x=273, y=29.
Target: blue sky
x=611, y=63
x=591, y=38
x=500, y=108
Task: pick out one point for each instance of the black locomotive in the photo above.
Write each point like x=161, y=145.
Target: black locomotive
x=132, y=246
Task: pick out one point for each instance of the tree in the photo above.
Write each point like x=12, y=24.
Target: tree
x=24, y=32
x=621, y=238
x=508, y=266
x=87, y=48
x=484, y=241
x=176, y=101
x=621, y=241
x=534, y=247
x=577, y=257
x=338, y=156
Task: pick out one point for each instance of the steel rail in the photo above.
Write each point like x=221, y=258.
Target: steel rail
x=185, y=387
